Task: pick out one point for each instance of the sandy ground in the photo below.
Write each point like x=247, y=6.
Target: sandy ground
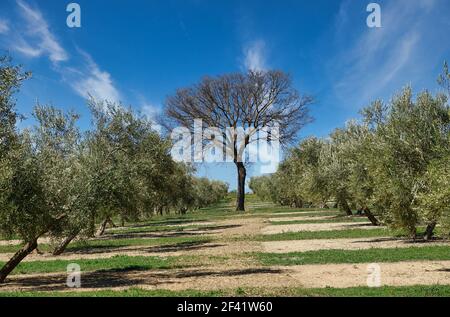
x=274, y=229
x=344, y=244
x=306, y=276
x=234, y=272
x=300, y=218
x=197, y=248
x=16, y=242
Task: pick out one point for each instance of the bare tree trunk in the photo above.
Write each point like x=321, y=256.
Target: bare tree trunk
x=430, y=231
x=345, y=207
x=102, y=228
x=64, y=243
x=16, y=259
x=371, y=217
x=111, y=222
x=240, y=199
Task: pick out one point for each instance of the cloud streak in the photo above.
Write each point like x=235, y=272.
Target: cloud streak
x=37, y=39
x=93, y=82
x=255, y=56
x=381, y=60
x=33, y=39
x=4, y=26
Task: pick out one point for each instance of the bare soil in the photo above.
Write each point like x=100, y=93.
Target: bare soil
x=233, y=271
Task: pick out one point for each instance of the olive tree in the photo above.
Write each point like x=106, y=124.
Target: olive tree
x=11, y=78
x=409, y=134
x=41, y=186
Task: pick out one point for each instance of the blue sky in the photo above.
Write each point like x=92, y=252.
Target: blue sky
x=140, y=51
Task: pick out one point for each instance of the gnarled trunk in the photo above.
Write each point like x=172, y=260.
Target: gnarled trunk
x=371, y=217
x=64, y=243
x=429, y=231
x=240, y=199
x=345, y=207
x=102, y=228
x=17, y=258
x=111, y=222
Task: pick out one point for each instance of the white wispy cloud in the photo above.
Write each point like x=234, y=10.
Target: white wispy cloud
x=255, y=56
x=91, y=81
x=150, y=111
x=4, y=26
x=32, y=37
x=380, y=61
x=36, y=38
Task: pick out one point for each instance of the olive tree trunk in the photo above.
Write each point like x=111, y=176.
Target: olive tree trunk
x=345, y=207
x=111, y=222
x=429, y=232
x=63, y=244
x=17, y=258
x=371, y=217
x=102, y=228
x=240, y=199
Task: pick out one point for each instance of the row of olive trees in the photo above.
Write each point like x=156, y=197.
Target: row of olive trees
x=60, y=182
x=394, y=165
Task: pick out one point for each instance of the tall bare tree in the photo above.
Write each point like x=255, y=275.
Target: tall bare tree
x=250, y=102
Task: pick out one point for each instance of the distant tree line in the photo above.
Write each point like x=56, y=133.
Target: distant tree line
x=63, y=183
x=393, y=165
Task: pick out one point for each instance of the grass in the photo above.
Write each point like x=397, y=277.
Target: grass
x=116, y=243
x=133, y=292
x=150, y=229
x=430, y=253
x=387, y=291
x=87, y=265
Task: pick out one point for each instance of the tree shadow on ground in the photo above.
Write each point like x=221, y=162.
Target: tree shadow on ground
x=97, y=279
x=169, y=232
x=444, y=270
x=229, y=273
x=359, y=224
x=166, y=223
x=378, y=240
x=214, y=228
x=175, y=247
x=183, y=246
x=132, y=276
x=147, y=235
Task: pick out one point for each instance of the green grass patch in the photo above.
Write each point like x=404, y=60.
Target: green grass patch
x=117, y=243
x=387, y=291
x=88, y=265
x=431, y=253
x=133, y=292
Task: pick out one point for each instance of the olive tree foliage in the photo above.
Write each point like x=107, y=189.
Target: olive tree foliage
x=393, y=165
x=263, y=187
x=433, y=197
x=42, y=183
x=11, y=77
x=209, y=192
x=408, y=135
x=251, y=102
x=131, y=173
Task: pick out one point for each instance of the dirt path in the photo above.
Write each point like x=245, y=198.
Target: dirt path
x=300, y=218
x=220, y=278
x=275, y=229
x=225, y=231
x=228, y=242
x=344, y=244
x=187, y=249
